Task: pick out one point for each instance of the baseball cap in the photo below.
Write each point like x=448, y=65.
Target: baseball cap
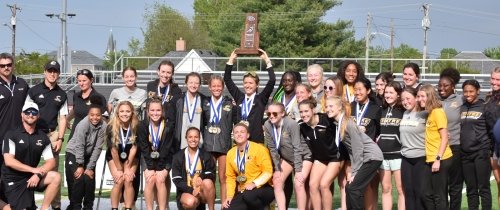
x=53, y=65
x=30, y=105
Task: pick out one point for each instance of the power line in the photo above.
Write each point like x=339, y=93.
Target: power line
x=37, y=34
x=447, y=7
x=468, y=30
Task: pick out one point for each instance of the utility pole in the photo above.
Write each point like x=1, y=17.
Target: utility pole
x=367, y=40
x=13, y=9
x=392, y=45
x=64, y=41
x=426, y=23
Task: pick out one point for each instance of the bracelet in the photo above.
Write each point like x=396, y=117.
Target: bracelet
x=39, y=176
x=60, y=138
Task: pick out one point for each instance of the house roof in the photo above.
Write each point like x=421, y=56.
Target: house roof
x=178, y=56
x=80, y=57
x=484, y=67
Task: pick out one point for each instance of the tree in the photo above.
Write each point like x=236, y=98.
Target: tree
x=30, y=63
x=449, y=53
x=492, y=52
x=292, y=28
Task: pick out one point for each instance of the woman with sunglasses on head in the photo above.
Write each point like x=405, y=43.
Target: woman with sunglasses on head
x=365, y=155
x=366, y=114
x=220, y=115
x=318, y=131
x=193, y=173
x=122, y=154
x=412, y=134
x=437, y=151
x=289, y=154
x=252, y=104
x=286, y=90
x=81, y=99
x=350, y=71
x=165, y=88
x=381, y=80
x=452, y=102
x=492, y=107
x=475, y=143
x=154, y=138
x=390, y=144
x=332, y=87
x=130, y=92
x=189, y=110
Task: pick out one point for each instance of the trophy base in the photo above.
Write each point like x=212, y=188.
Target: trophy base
x=247, y=51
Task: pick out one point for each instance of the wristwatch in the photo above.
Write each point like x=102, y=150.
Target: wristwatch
x=438, y=157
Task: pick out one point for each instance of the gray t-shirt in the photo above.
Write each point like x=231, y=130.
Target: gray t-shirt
x=137, y=97
x=451, y=106
x=412, y=134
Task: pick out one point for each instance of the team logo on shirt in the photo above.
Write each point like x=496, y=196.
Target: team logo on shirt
x=227, y=108
x=21, y=141
x=41, y=96
x=58, y=99
x=151, y=94
x=88, y=103
x=454, y=104
x=2, y=97
x=471, y=115
x=364, y=121
x=390, y=121
x=20, y=89
x=39, y=142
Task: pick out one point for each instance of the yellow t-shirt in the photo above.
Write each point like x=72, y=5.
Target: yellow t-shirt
x=436, y=120
x=258, y=168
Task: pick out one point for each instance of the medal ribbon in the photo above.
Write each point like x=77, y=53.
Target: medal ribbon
x=216, y=111
x=289, y=105
x=360, y=114
x=155, y=137
x=165, y=93
x=247, y=107
x=191, y=167
x=337, y=134
x=348, y=94
x=124, y=139
x=277, y=135
x=191, y=111
x=241, y=160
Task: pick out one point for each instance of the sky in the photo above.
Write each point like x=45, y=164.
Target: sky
x=461, y=24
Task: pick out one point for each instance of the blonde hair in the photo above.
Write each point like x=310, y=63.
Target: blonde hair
x=345, y=108
x=115, y=124
x=433, y=101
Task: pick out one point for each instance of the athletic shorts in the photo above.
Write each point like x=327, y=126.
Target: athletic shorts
x=391, y=165
x=19, y=196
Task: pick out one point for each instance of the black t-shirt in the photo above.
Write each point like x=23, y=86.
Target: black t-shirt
x=12, y=99
x=370, y=119
x=174, y=92
x=49, y=102
x=321, y=138
x=27, y=149
x=81, y=107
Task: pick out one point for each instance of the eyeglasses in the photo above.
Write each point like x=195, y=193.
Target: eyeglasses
x=5, y=65
x=33, y=112
x=274, y=114
x=330, y=88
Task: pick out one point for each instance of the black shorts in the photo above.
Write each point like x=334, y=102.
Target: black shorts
x=19, y=196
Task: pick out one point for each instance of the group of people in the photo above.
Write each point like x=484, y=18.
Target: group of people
x=429, y=139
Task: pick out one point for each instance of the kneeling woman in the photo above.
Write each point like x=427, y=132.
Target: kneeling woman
x=288, y=152
x=82, y=153
x=193, y=173
x=122, y=154
x=155, y=137
x=366, y=156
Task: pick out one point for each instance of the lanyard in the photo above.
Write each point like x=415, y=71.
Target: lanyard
x=247, y=107
x=124, y=139
x=191, y=110
x=337, y=133
x=164, y=96
x=155, y=137
x=216, y=111
x=360, y=115
x=191, y=167
x=11, y=90
x=348, y=94
x=241, y=160
x=277, y=135
x=289, y=105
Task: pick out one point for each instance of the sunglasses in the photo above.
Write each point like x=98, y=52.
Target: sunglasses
x=5, y=65
x=274, y=114
x=84, y=72
x=33, y=112
x=330, y=88
x=251, y=73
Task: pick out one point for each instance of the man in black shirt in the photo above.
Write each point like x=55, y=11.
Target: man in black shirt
x=52, y=102
x=22, y=151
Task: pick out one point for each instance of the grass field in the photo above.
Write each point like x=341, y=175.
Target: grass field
x=336, y=199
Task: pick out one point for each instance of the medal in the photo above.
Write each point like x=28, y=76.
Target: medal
x=155, y=154
x=247, y=107
x=277, y=135
x=245, y=122
x=191, y=166
x=337, y=133
x=289, y=105
x=360, y=113
x=217, y=130
x=216, y=109
x=348, y=94
x=155, y=137
x=164, y=96
x=191, y=109
x=241, y=179
x=240, y=161
x=124, y=141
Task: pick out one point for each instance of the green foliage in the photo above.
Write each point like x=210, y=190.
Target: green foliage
x=32, y=63
x=402, y=51
x=492, y=52
x=448, y=53
x=291, y=28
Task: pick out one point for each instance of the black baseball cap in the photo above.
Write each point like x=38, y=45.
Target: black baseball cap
x=53, y=65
